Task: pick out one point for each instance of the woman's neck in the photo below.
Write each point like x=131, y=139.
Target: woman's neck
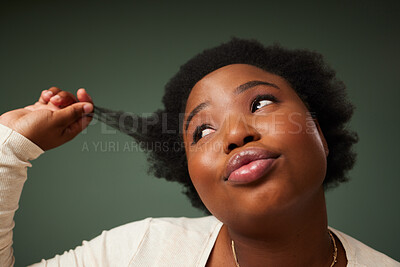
x=297, y=238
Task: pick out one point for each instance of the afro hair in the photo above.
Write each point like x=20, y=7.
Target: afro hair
x=312, y=79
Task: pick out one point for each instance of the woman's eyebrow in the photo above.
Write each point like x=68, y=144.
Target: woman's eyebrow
x=250, y=84
x=240, y=89
x=196, y=110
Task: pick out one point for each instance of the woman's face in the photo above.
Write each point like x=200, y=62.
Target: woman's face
x=253, y=149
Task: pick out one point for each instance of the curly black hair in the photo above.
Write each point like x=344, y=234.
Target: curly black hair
x=312, y=79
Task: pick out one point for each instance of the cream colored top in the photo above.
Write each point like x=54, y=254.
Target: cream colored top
x=149, y=242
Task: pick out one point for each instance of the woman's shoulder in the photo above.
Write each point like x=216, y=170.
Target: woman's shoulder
x=201, y=225
x=158, y=241
x=359, y=254
x=150, y=242
x=165, y=228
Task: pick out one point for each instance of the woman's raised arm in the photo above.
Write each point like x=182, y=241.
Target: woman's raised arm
x=56, y=118
x=52, y=121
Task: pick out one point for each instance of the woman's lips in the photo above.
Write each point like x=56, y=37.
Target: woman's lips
x=249, y=165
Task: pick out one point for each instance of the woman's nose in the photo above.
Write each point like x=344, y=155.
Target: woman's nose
x=238, y=133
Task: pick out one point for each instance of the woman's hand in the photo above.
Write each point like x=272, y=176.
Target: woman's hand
x=55, y=119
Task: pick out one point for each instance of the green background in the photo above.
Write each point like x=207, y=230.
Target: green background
x=125, y=52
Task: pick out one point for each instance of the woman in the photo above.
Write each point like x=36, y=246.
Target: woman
x=263, y=134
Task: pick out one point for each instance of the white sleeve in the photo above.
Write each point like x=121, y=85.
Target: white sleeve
x=116, y=247
x=15, y=153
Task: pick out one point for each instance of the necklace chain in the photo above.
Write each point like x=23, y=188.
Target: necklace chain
x=334, y=248
x=332, y=239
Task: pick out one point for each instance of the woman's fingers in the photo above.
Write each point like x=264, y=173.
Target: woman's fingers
x=63, y=117
x=73, y=119
x=54, y=90
x=83, y=96
x=71, y=114
x=47, y=94
x=56, y=98
x=48, y=127
x=75, y=128
x=63, y=99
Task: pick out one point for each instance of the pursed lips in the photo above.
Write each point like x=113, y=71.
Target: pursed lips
x=245, y=157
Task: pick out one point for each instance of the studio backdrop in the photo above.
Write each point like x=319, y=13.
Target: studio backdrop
x=124, y=52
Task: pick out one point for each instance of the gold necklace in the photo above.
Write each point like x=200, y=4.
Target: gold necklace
x=330, y=234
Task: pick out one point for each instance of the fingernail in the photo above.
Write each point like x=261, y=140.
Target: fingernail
x=86, y=92
x=87, y=108
x=48, y=93
x=56, y=98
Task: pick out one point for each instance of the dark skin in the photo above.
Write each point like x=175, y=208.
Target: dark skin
x=56, y=118
x=280, y=219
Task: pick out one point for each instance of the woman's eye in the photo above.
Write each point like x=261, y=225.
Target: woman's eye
x=201, y=131
x=261, y=101
x=206, y=132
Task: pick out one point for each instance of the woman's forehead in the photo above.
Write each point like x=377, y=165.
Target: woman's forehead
x=225, y=79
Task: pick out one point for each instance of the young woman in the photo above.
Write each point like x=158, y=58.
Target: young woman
x=261, y=137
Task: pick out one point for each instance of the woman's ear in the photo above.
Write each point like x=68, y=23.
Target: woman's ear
x=321, y=135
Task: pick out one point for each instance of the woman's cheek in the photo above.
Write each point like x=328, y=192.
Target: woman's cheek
x=296, y=135
x=304, y=147
x=201, y=165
